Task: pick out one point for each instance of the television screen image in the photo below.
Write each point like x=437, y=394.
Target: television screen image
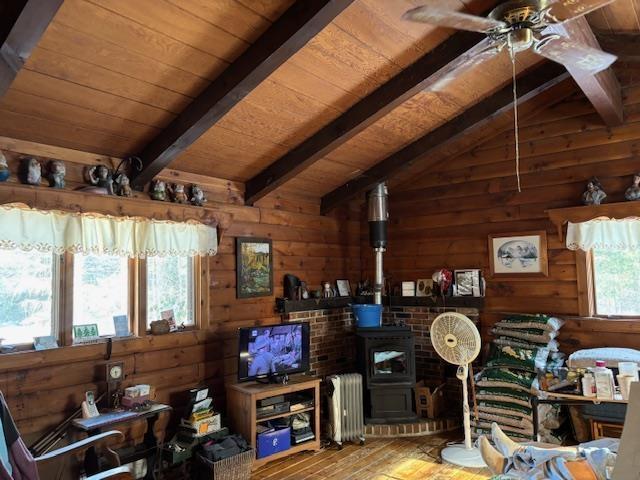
x=273, y=350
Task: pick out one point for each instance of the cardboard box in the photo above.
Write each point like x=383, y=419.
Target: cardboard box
x=429, y=399
x=274, y=441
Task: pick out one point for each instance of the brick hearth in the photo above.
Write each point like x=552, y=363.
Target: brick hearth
x=423, y=427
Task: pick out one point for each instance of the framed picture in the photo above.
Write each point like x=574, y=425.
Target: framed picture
x=87, y=333
x=424, y=287
x=344, y=288
x=45, y=343
x=408, y=289
x=518, y=255
x=254, y=267
x=468, y=283
x=121, y=325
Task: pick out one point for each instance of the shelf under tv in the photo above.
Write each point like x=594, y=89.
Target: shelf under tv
x=285, y=414
x=243, y=419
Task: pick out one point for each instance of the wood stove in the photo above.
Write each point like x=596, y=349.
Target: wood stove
x=386, y=360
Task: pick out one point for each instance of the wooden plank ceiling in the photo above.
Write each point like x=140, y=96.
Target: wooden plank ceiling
x=109, y=75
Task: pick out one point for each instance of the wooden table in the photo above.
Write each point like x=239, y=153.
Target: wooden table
x=242, y=401
x=150, y=446
x=553, y=398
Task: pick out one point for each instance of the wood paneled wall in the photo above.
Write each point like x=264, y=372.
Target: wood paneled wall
x=442, y=218
x=43, y=387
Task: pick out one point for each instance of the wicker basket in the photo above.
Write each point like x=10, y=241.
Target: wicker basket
x=237, y=467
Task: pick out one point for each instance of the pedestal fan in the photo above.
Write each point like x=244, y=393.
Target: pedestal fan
x=457, y=340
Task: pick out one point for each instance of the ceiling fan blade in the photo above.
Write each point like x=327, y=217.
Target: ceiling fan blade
x=452, y=19
x=481, y=52
x=568, y=9
x=575, y=55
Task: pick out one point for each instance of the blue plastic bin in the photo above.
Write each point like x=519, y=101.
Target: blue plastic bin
x=367, y=315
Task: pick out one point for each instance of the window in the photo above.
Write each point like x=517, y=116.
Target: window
x=28, y=300
x=100, y=290
x=170, y=286
x=616, y=282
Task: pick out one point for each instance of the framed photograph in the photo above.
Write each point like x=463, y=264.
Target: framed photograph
x=254, y=267
x=87, y=333
x=45, y=343
x=344, y=288
x=408, y=289
x=424, y=287
x=518, y=255
x=468, y=283
x=121, y=325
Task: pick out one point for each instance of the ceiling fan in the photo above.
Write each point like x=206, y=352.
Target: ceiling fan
x=523, y=24
x=520, y=25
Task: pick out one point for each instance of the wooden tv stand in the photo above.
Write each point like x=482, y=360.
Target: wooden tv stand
x=241, y=408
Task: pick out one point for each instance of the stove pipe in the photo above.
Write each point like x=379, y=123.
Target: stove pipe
x=378, y=220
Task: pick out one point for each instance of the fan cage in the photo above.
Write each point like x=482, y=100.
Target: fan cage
x=455, y=338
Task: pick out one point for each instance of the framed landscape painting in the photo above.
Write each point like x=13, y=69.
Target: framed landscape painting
x=254, y=267
x=518, y=255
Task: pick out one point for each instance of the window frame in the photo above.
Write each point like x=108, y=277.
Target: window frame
x=200, y=270
x=585, y=272
x=57, y=302
x=62, y=299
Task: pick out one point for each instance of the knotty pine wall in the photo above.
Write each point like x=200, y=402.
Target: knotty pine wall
x=43, y=387
x=442, y=219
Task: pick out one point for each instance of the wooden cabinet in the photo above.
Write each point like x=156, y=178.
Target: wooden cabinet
x=242, y=401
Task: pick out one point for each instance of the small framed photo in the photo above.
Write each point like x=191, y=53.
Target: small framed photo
x=424, y=287
x=87, y=333
x=518, y=255
x=408, y=289
x=45, y=343
x=121, y=325
x=344, y=288
x=468, y=283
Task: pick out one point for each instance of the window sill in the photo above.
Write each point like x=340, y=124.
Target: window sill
x=596, y=318
x=26, y=348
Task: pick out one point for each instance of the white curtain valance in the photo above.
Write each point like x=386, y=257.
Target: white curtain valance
x=605, y=234
x=56, y=231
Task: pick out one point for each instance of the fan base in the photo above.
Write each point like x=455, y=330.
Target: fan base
x=460, y=456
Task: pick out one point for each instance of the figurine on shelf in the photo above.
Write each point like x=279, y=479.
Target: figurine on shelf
x=4, y=168
x=327, y=291
x=57, y=171
x=30, y=171
x=633, y=192
x=158, y=191
x=100, y=176
x=594, y=194
x=197, y=196
x=122, y=186
x=177, y=193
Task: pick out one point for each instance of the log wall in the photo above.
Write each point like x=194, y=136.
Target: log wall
x=43, y=387
x=443, y=218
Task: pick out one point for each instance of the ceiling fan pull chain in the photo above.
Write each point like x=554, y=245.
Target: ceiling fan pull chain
x=512, y=54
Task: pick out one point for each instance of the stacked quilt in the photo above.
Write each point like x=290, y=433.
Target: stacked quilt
x=523, y=345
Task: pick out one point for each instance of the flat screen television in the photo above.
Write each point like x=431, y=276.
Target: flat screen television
x=273, y=350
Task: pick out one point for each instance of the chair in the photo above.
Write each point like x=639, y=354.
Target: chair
x=29, y=466
x=61, y=455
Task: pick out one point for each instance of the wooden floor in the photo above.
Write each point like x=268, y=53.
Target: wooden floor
x=379, y=459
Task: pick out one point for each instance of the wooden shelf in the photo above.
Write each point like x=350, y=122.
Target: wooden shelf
x=560, y=216
x=289, y=306
x=301, y=447
x=243, y=418
x=282, y=415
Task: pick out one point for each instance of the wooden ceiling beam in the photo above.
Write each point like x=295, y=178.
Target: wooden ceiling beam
x=626, y=46
x=476, y=117
x=461, y=49
x=22, y=23
x=603, y=89
x=286, y=36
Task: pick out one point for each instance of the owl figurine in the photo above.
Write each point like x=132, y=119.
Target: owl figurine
x=4, y=168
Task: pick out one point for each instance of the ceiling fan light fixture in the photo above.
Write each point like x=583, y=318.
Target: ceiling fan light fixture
x=520, y=40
